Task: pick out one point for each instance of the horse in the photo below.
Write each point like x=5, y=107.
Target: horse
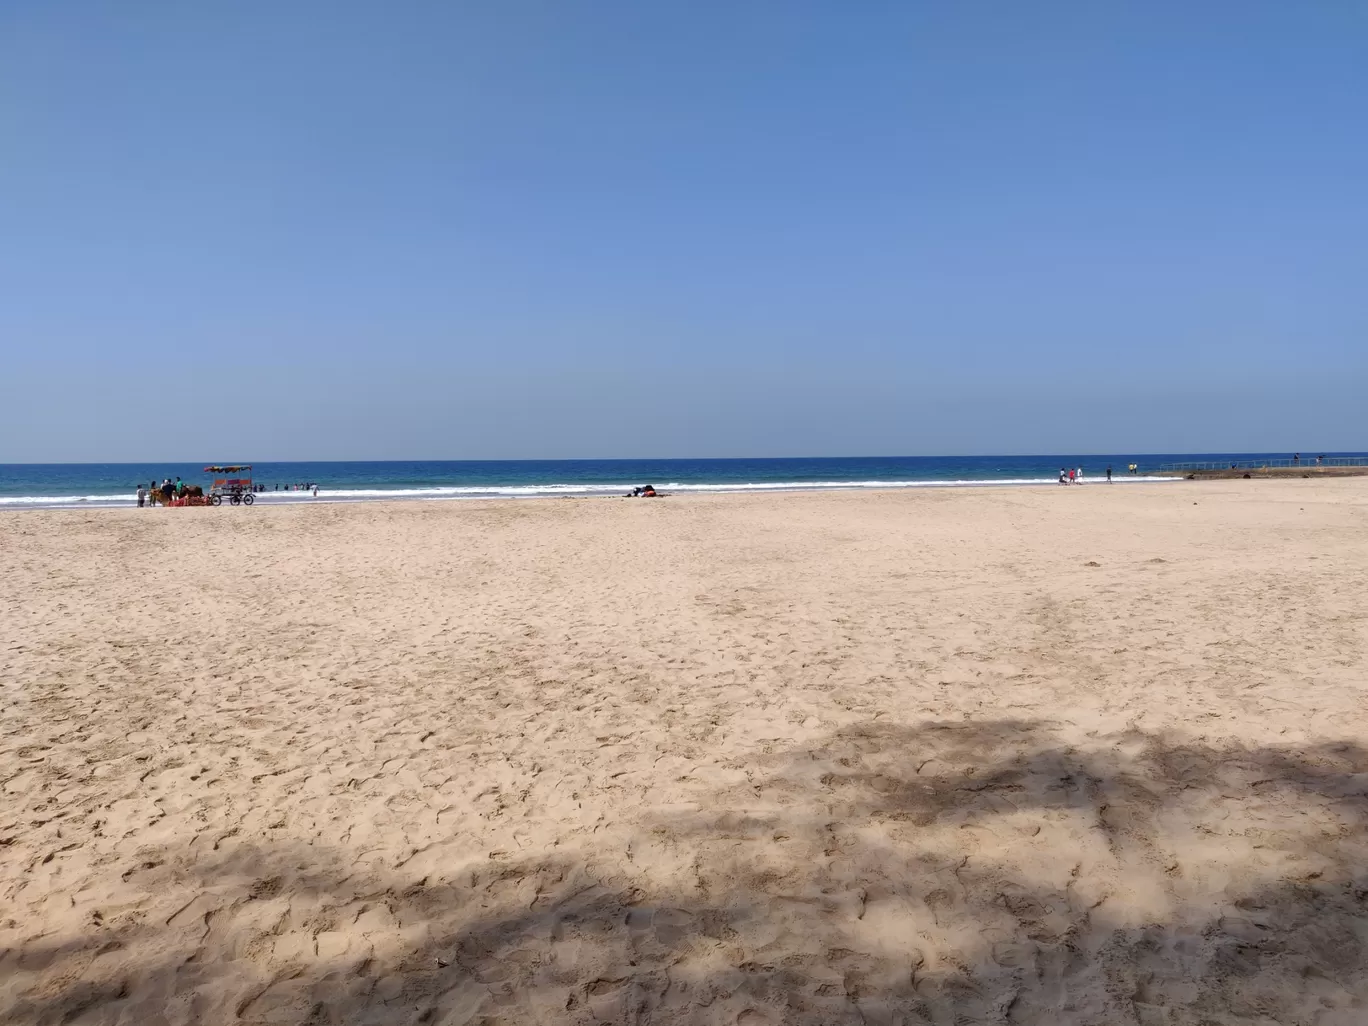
x=165, y=496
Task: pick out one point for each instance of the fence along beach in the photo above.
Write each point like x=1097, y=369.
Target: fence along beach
x=1318, y=466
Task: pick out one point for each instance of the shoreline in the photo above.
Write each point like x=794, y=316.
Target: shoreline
x=699, y=496
x=106, y=485
x=269, y=499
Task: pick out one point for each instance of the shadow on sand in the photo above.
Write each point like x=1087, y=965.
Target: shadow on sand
x=951, y=873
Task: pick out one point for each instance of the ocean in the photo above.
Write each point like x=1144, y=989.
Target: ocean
x=84, y=485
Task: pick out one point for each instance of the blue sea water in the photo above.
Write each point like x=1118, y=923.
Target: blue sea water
x=114, y=484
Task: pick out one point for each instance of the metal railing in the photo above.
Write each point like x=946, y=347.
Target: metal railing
x=1304, y=462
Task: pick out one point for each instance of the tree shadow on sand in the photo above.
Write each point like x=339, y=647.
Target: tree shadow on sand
x=949, y=873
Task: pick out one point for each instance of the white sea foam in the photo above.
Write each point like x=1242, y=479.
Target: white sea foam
x=561, y=489
x=464, y=491
x=601, y=489
x=65, y=500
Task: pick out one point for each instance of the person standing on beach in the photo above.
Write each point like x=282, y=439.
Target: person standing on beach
x=1072, y=477
x=1109, y=473
x=141, y=496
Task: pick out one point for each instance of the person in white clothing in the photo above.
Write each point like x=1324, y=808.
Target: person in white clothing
x=1080, y=475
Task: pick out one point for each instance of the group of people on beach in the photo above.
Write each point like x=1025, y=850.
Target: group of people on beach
x=167, y=490
x=1074, y=475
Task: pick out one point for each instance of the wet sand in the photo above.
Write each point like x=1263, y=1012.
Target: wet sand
x=1028, y=755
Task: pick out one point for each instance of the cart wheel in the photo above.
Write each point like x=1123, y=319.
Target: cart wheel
x=235, y=499
x=216, y=499
x=249, y=498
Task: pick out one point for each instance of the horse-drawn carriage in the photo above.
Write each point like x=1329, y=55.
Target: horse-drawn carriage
x=235, y=489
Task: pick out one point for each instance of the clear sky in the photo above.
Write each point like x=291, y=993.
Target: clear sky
x=508, y=229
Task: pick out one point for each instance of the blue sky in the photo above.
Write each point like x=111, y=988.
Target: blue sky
x=508, y=229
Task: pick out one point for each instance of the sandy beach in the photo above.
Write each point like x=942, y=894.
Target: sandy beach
x=1051, y=755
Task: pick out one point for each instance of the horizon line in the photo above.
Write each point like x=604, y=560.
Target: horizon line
x=638, y=459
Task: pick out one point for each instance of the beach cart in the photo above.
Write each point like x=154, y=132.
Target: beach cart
x=237, y=490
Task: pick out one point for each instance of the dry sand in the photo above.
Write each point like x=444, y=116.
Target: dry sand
x=1089, y=755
